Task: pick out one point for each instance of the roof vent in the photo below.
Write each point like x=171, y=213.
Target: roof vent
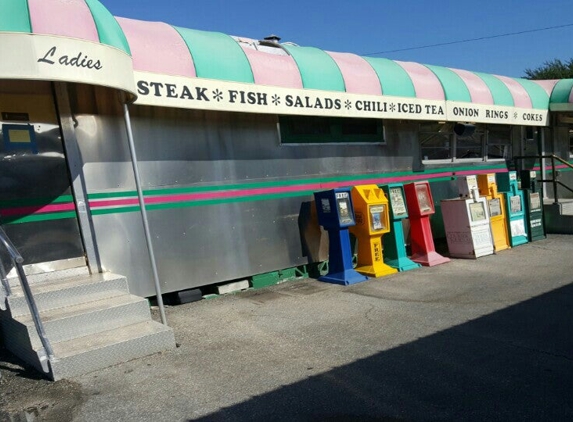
x=272, y=39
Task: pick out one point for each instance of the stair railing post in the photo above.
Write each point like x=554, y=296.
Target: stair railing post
x=554, y=178
x=143, y=212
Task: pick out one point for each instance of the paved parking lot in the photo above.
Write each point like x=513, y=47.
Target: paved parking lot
x=490, y=339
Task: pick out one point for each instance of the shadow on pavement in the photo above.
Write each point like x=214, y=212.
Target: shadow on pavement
x=514, y=364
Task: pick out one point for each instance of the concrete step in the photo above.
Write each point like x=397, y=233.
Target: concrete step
x=67, y=292
x=87, y=318
x=90, y=353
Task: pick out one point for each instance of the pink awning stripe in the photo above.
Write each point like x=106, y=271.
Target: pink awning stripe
x=157, y=47
x=520, y=96
x=359, y=76
x=547, y=85
x=479, y=91
x=68, y=18
x=426, y=83
x=273, y=69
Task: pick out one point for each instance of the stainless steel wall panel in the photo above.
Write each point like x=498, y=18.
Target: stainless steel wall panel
x=217, y=237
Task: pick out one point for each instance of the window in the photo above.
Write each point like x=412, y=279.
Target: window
x=498, y=142
x=440, y=143
x=326, y=130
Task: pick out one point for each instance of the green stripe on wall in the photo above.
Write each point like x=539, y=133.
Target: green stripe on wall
x=38, y=217
x=256, y=185
x=15, y=16
x=318, y=70
x=207, y=202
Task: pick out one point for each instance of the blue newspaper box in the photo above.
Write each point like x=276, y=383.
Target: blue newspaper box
x=336, y=214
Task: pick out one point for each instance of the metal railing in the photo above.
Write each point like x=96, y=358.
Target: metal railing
x=554, y=180
x=45, y=353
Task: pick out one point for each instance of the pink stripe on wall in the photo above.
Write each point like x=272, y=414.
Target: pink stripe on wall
x=68, y=18
x=157, y=47
x=548, y=86
x=520, y=95
x=359, y=77
x=426, y=83
x=479, y=90
x=273, y=69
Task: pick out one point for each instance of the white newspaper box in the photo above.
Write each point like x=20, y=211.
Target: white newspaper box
x=466, y=221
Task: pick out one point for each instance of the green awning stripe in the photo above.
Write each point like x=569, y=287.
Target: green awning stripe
x=15, y=16
x=562, y=91
x=318, y=70
x=217, y=56
x=393, y=78
x=539, y=98
x=109, y=31
x=499, y=91
x=454, y=86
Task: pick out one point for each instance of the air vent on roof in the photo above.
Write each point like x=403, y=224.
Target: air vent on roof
x=271, y=41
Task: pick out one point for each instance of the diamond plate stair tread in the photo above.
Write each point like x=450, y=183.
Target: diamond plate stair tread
x=66, y=349
x=44, y=277
x=66, y=283
x=68, y=293
x=118, y=298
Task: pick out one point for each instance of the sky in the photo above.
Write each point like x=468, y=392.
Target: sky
x=382, y=26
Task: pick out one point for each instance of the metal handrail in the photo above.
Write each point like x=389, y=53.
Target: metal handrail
x=46, y=353
x=554, y=173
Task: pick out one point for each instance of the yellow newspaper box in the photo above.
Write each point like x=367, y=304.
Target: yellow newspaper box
x=372, y=221
x=488, y=188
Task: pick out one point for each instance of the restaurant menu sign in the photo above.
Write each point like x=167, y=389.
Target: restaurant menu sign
x=207, y=94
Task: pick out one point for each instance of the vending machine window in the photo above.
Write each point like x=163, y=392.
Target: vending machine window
x=515, y=204
x=494, y=207
x=535, y=200
x=477, y=211
x=377, y=217
x=424, y=201
x=344, y=209
x=398, y=203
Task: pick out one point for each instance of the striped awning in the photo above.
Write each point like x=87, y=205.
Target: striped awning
x=562, y=95
x=64, y=40
x=168, y=66
x=251, y=74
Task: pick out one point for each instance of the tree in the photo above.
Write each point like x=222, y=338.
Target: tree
x=552, y=69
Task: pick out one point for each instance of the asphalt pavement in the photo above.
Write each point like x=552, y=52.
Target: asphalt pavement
x=470, y=340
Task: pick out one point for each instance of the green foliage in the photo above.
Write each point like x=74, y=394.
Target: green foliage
x=552, y=69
